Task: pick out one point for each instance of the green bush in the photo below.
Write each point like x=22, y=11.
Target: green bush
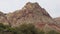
x=2, y=27
x=53, y=32
x=28, y=29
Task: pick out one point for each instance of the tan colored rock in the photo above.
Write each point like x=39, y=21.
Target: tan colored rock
x=3, y=18
x=31, y=13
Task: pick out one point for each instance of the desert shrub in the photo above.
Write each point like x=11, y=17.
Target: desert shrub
x=27, y=29
x=53, y=32
x=41, y=32
x=22, y=29
x=6, y=29
x=2, y=27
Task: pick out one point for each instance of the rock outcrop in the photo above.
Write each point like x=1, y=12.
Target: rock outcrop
x=3, y=18
x=31, y=13
x=57, y=20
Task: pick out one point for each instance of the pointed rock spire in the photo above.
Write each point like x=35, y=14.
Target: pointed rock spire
x=30, y=5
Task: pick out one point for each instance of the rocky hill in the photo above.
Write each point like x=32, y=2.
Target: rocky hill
x=30, y=13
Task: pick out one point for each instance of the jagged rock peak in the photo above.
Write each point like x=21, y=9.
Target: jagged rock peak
x=30, y=5
x=35, y=7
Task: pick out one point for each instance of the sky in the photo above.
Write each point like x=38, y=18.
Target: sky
x=51, y=6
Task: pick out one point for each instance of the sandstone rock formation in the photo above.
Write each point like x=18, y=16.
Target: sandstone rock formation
x=31, y=13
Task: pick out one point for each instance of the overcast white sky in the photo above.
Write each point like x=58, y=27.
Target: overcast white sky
x=51, y=6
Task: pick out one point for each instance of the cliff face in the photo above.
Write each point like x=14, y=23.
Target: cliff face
x=30, y=13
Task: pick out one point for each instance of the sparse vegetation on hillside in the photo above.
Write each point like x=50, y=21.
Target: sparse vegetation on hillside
x=23, y=29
